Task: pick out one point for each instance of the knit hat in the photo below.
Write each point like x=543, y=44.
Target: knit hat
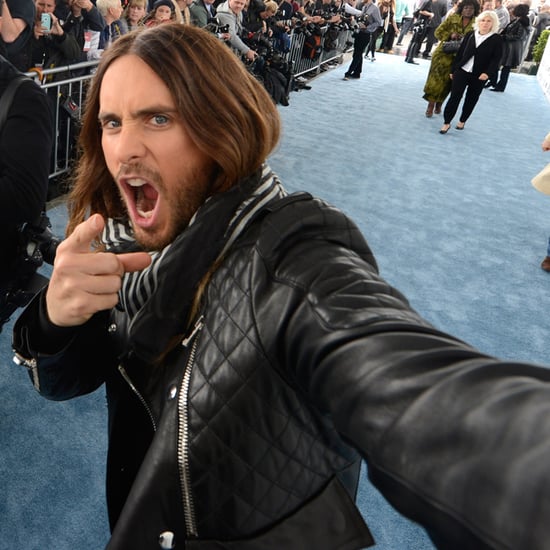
x=163, y=3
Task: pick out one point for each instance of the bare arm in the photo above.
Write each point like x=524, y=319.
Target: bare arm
x=10, y=28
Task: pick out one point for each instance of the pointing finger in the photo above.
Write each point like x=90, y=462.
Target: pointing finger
x=134, y=261
x=84, y=235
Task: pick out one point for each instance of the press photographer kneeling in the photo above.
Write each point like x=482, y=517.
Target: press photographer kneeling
x=26, y=136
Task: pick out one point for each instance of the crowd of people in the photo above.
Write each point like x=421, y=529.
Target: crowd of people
x=470, y=55
x=38, y=34
x=447, y=24
x=44, y=34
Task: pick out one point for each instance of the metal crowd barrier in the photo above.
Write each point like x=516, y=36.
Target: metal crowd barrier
x=66, y=86
x=302, y=66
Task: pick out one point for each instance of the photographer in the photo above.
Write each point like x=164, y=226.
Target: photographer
x=202, y=12
x=25, y=144
x=368, y=22
x=230, y=13
x=423, y=15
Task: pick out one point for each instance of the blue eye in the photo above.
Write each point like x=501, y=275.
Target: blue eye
x=160, y=119
x=109, y=124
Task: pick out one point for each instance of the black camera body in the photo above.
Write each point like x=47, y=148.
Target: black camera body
x=36, y=245
x=214, y=26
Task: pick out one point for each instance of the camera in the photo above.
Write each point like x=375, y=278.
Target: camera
x=37, y=244
x=214, y=26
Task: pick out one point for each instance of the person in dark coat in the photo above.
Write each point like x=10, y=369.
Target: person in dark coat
x=16, y=26
x=478, y=56
x=515, y=36
x=83, y=17
x=25, y=144
x=202, y=12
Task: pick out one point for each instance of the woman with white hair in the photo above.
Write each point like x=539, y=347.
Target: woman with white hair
x=477, y=58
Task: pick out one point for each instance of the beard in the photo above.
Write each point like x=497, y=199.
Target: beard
x=182, y=202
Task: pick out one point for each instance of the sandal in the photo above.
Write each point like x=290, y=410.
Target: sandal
x=430, y=109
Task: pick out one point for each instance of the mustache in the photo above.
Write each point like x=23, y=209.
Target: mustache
x=139, y=170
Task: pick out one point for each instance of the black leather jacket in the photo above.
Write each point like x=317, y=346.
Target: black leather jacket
x=302, y=359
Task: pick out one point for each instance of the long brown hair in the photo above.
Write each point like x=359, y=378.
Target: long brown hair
x=227, y=113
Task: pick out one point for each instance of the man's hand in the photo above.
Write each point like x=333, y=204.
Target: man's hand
x=84, y=282
x=85, y=4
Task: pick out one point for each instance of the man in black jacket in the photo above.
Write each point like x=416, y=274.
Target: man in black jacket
x=82, y=18
x=439, y=9
x=25, y=145
x=15, y=30
x=250, y=350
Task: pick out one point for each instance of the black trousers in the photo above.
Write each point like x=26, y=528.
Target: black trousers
x=361, y=41
x=406, y=25
x=372, y=42
x=463, y=82
x=503, y=80
x=419, y=33
x=430, y=41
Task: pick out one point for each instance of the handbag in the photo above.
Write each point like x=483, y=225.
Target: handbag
x=451, y=46
x=541, y=182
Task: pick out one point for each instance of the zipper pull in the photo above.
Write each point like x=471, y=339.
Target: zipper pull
x=18, y=359
x=198, y=326
x=31, y=364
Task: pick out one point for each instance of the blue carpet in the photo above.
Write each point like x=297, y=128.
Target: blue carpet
x=453, y=221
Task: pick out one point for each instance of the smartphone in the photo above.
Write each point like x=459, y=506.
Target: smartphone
x=46, y=21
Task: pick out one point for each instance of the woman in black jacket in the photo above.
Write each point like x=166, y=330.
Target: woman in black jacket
x=515, y=35
x=477, y=58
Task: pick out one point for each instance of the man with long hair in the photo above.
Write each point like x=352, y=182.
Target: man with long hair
x=251, y=353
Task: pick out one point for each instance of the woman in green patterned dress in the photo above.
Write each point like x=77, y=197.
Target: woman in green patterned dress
x=454, y=27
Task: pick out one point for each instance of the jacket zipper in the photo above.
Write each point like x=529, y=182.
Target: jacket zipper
x=124, y=374
x=183, y=433
x=30, y=364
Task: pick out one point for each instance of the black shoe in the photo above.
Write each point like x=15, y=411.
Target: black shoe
x=426, y=56
x=411, y=61
x=444, y=128
x=496, y=89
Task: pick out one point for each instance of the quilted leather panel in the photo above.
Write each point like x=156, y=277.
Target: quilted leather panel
x=254, y=440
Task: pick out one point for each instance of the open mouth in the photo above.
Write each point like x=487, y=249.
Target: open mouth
x=143, y=199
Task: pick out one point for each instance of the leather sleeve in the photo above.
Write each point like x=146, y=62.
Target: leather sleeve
x=456, y=440
x=63, y=363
